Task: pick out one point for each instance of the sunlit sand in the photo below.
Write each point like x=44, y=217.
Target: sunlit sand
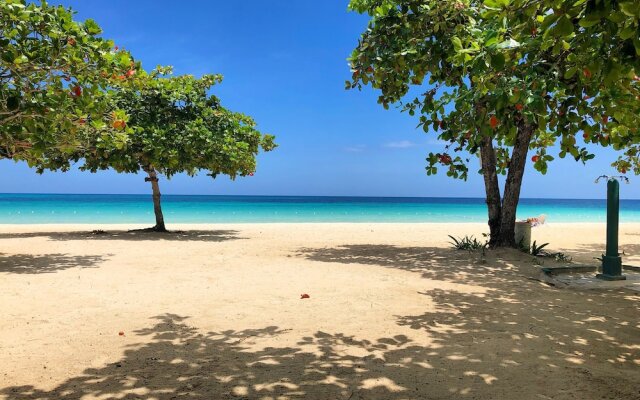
x=393, y=312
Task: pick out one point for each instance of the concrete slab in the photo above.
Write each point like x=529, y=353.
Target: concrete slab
x=584, y=277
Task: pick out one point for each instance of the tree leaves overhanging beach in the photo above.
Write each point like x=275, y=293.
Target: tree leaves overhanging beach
x=55, y=76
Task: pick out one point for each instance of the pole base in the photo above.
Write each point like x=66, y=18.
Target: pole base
x=611, y=266
x=606, y=277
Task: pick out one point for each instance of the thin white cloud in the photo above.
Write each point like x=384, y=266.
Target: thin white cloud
x=403, y=144
x=355, y=149
x=437, y=142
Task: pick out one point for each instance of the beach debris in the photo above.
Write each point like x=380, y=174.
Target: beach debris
x=98, y=232
x=536, y=221
x=121, y=333
x=304, y=296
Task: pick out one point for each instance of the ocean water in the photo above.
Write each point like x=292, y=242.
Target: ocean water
x=76, y=208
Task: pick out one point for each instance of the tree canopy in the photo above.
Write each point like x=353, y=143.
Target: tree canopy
x=54, y=77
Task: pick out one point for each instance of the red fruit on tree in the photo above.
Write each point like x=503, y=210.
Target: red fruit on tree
x=585, y=136
x=623, y=171
x=586, y=73
x=116, y=48
x=76, y=91
x=445, y=159
x=535, y=158
x=119, y=124
x=131, y=73
x=519, y=107
x=250, y=173
x=493, y=121
x=71, y=42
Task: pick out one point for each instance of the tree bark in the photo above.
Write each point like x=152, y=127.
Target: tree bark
x=157, y=208
x=492, y=189
x=513, y=185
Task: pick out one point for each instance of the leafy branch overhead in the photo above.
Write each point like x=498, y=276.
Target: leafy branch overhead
x=55, y=76
x=484, y=67
x=175, y=126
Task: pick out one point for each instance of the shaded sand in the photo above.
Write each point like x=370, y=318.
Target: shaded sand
x=215, y=313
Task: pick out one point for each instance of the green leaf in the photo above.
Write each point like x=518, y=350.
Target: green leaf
x=457, y=43
x=92, y=27
x=630, y=8
x=627, y=32
x=590, y=20
x=564, y=27
x=21, y=60
x=497, y=61
x=568, y=74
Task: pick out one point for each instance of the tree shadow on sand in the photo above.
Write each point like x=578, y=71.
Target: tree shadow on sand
x=46, y=263
x=515, y=339
x=516, y=329
x=136, y=235
x=430, y=262
x=178, y=361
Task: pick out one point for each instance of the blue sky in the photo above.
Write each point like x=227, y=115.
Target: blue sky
x=284, y=63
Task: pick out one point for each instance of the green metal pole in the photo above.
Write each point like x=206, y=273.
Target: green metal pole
x=611, y=261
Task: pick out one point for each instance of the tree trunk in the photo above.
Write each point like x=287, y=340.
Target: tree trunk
x=513, y=185
x=157, y=209
x=492, y=189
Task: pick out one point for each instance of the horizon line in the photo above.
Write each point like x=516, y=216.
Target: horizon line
x=294, y=195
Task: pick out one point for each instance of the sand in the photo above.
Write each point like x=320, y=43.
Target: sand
x=393, y=313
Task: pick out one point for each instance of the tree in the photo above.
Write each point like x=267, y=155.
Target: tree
x=502, y=80
x=54, y=75
x=176, y=127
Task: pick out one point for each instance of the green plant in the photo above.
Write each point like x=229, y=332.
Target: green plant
x=537, y=250
x=467, y=242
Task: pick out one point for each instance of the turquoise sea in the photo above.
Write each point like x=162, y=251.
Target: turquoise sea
x=78, y=208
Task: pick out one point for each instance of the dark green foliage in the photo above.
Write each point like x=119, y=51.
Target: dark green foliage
x=467, y=242
x=536, y=250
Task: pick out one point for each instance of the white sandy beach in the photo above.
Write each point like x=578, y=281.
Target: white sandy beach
x=394, y=313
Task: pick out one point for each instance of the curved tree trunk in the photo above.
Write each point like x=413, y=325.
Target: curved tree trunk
x=157, y=208
x=513, y=185
x=492, y=189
